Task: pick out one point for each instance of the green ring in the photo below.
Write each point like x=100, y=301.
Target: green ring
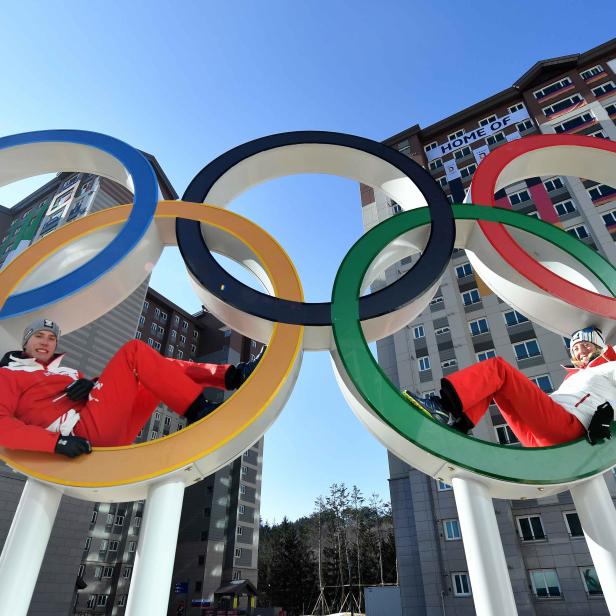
x=542, y=465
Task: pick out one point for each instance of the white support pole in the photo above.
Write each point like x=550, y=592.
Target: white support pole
x=487, y=567
x=595, y=509
x=25, y=546
x=151, y=580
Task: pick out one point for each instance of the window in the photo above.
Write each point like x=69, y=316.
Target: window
x=441, y=486
x=468, y=171
x=609, y=218
x=156, y=313
x=146, y=305
x=418, y=332
x=599, y=191
x=81, y=571
x=180, y=354
x=167, y=422
x=564, y=207
x=579, y=231
x=184, y=325
x=436, y=300
x=471, y=297
x=455, y=135
x=132, y=546
x=442, y=181
x=442, y=330
x=176, y=320
x=545, y=583
x=107, y=572
x=170, y=349
x=553, y=87
x=238, y=552
x=525, y=125
x=598, y=133
x=463, y=152
x=138, y=335
x=244, y=470
x=527, y=349
x=153, y=328
x=161, y=330
x=424, y=363
x=519, y=197
x=127, y=571
x=452, y=530
x=157, y=346
x=572, y=521
x=98, y=572
x=193, y=348
x=182, y=339
x=591, y=580
x=461, y=584
x=137, y=521
x=448, y=363
x=91, y=601
x=242, y=488
x=88, y=543
x=240, y=530
x=495, y=138
x=119, y=520
x=141, y=320
x=575, y=122
x=430, y=146
x=513, y=317
x=480, y=326
x=505, y=435
x=237, y=574
x=517, y=107
x=543, y=382
x=487, y=120
x=604, y=88
x=591, y=72
x=242, y=509
x=563, y=104
x=435, y=164
x=122, y=600
x=485, y=355
x=163, y=316
x=174, y=335
x=113, y=546
x=101, y=600
x=611, y=109
x=104, y=544
x=93, y=517
x=530, y=528
x=464, y=270
x=553, y=184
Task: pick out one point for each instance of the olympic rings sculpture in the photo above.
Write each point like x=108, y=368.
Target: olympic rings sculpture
x=100, y=259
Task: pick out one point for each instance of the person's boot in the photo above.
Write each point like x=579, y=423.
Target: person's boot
x=434, y=407
x=238, y=375
x=200, y=408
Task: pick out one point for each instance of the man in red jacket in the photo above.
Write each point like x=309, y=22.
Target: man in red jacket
x=583, y=404
x=47, y=407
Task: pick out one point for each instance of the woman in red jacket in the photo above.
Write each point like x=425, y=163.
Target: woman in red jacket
x=47, y=407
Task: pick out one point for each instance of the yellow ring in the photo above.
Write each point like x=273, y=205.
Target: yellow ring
x=116, y=466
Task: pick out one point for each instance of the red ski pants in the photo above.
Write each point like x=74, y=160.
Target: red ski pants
x=132, y=385
x=533, y=416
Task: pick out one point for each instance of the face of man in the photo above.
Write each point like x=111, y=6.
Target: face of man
x=584, y=352
x=41, y=346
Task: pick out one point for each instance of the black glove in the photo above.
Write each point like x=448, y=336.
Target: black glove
x=599, y=427
x=79, y=389
x=72, y=446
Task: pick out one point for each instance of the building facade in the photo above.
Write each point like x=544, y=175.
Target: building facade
x=550, y=566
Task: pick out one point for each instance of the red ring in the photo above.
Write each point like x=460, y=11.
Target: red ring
x=482, y=193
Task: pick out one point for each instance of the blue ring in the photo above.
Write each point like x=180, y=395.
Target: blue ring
x=139, y=221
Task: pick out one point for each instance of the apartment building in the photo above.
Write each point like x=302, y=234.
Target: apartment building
x=551, y=569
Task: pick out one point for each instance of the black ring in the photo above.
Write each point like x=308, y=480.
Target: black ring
x=219, y=282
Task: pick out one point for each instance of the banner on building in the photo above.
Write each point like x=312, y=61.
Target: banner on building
x=513, y=136
x=479, y=133
x=481, y=152
x=451, y=170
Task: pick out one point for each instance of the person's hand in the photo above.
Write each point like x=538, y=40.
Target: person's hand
x=599, y=427
x=72, y=446
x=79, y=389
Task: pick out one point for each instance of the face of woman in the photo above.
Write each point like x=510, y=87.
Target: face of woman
x=584, y=352
x=41, y=346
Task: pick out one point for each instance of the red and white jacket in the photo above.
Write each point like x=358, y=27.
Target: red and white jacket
x=33, y=407
x=584, y=389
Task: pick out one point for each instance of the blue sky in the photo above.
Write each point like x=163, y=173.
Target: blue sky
x=187, y=81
